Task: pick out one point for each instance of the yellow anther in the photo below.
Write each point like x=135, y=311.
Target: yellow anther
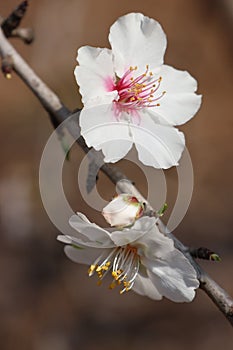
x=160, y=78
x=132, y=99
x=104, y=268
x=112, y=285
x=100, y=275
x=147, y=66
x=114, y=274
x=164, y=92
x=126, y=289
x=8, y=76
x=126, y=284
x=91, y=269
x=151, y=74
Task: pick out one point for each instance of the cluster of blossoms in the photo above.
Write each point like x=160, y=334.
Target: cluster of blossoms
x=131, y=97
x=138, y=257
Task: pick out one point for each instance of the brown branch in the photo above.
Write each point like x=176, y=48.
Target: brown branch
x=218, y=295
x=58, y=113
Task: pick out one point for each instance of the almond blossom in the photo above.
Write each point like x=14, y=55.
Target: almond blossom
x=131, y=97
x=139, y=258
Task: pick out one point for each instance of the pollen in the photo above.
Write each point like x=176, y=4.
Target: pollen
x=123, y=262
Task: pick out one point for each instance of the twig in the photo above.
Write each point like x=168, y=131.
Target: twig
x=11, y=23
x=59, y=113
x=25, y=34
x=204, y=253
x=14, y=19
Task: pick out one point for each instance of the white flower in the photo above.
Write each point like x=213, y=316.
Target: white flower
x=123, y=210
x=130, y=96
x=140, y=258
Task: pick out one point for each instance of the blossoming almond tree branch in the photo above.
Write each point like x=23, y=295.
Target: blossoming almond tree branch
x=58, y=113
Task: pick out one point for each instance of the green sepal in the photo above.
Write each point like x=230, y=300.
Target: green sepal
x=76, y=246
x=215, y=257
x=162, y=210
x=65, y=148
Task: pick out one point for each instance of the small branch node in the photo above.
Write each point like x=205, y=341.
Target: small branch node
x=204, y=253
x=7, y=66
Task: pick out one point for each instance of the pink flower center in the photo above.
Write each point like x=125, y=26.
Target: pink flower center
x=136, y=93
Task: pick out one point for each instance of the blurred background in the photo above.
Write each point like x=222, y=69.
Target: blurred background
x=47, y=302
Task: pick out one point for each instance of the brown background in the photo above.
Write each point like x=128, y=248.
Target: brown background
x=47, y=302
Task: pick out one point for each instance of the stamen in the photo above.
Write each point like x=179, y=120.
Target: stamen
x=136, y=93
x=123, y=262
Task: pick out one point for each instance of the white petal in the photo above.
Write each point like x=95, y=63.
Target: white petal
x=144, y=286
x=137, y=40
x=101, y=100
x=95, y=235
x=101, y=130
x=126, y=236
x=180, y=102
x=175, y=278
x=115, y=150
x=95, y=74
x=83, y=255
x=158, y=145
x=64, y=239
x=155, y=244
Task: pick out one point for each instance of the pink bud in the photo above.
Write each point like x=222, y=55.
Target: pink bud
x=123, y=210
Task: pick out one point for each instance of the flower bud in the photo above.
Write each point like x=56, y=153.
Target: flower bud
x=123, y=210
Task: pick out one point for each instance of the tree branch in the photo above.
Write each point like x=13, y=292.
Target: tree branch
x=58, y=113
